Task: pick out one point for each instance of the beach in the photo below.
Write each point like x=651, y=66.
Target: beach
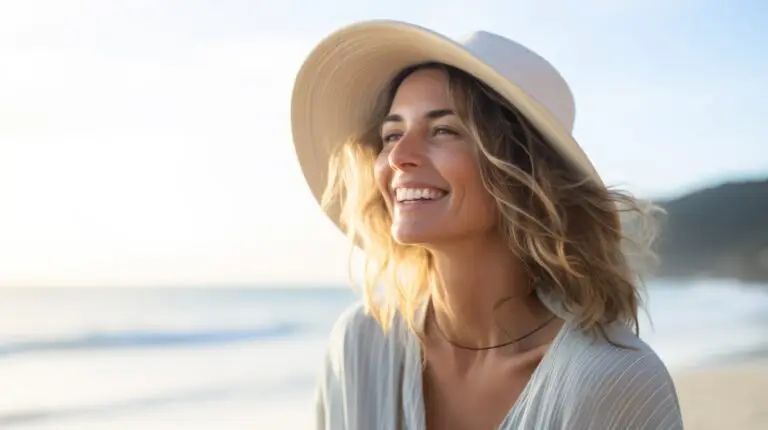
x=726, y=396
x=238, y=358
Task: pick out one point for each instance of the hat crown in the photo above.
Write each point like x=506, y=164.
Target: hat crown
x=527, y=70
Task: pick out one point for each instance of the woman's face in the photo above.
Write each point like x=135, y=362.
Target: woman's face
x=427, y=171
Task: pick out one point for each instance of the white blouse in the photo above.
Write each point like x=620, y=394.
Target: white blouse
x=373, y=381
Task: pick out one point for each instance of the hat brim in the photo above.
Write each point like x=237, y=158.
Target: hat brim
x=340, y=82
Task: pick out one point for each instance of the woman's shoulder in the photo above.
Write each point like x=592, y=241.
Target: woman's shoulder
x=357, y=335
x=358, y=379
x=616, y=377
x=355, y=321
x=617, y=352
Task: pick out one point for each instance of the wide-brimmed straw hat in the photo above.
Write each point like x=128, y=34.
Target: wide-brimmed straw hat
x=340, y=82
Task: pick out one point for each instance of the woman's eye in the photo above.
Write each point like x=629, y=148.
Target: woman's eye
x=390, y=137
x=443, y=131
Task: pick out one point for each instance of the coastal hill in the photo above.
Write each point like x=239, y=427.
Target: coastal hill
x=717, y=232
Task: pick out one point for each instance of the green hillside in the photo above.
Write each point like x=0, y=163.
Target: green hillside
x=717, y=232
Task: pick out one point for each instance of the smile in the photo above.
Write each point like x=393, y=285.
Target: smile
x=413, y=195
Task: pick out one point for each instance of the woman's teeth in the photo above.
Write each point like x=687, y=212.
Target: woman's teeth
x=413, y=194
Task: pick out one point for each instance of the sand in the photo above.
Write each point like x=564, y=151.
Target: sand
x=725, y=397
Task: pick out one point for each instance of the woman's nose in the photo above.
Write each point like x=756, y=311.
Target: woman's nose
x=408, y=152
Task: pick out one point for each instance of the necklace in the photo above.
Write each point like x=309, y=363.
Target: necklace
x=484, y=348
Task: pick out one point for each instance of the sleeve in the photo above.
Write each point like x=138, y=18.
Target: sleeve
x=639, y=395
x=333, y=402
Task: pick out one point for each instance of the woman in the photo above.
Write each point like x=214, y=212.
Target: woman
x=497, y=291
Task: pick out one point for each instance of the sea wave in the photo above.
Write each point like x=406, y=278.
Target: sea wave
x=149, y=339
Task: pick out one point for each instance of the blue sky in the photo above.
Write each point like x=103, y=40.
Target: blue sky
x=147, y=142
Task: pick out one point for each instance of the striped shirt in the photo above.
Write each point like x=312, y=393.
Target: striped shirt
x=373, y=381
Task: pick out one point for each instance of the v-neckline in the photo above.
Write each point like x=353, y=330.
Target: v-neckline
x=415, y=411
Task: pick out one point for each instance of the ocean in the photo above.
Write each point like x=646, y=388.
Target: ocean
x=247, y=358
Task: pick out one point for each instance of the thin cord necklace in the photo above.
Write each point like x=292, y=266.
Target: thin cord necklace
x=484, y=348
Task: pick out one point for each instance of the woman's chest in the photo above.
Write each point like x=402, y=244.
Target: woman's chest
x=476, y=400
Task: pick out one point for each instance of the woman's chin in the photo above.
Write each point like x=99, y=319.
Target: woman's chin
x=414, y=236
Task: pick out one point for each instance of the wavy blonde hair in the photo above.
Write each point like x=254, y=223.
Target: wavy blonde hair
x=566, y=230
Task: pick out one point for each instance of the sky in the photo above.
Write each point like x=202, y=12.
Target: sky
x=147, y=142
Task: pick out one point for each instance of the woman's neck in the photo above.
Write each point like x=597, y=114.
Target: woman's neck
x=483, y=295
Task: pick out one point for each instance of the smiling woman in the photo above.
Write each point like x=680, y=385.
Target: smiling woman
x=425, y=141
x=498, y=293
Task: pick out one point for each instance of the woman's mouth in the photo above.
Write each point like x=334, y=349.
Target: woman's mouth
x=416, y=195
